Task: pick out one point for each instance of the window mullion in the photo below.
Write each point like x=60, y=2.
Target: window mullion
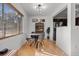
x=4, y=24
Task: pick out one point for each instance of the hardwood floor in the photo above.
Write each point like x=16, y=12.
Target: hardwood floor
x=47, y=48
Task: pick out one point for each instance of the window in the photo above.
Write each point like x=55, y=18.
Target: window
x=10, y=21
x=1, y=24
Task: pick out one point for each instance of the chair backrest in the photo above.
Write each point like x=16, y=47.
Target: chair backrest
x=42, y=36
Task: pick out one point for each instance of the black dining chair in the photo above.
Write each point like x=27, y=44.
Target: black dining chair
x=35, y=37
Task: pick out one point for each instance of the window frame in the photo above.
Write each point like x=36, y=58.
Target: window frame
x=4, y=28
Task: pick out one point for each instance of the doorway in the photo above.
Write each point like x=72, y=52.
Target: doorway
x=60, y=20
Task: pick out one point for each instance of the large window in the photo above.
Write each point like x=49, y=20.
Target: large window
x=1, y=25
x=10, y=21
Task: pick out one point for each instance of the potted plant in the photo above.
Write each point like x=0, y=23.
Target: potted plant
x=48, y=32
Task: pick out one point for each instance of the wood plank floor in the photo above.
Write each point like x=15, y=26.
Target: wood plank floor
x=47, y=46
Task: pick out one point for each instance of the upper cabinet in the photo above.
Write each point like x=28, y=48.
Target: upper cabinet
x=39, y=27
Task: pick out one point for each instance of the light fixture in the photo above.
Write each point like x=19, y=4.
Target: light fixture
x=39, y=6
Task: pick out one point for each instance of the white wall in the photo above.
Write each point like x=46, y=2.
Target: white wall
x=48, y=23
x=64, y=33
x=75, y=42
x=18, y=40
x=63, y=39
x=74, y=31
x=74, y=34
x=12, y=42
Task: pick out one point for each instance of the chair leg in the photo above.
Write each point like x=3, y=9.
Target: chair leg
x=38, y=45
x=42, y=43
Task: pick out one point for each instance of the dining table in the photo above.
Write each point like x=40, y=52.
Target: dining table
x=35, y=36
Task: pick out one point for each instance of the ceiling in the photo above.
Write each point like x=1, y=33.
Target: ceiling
x=50, y=8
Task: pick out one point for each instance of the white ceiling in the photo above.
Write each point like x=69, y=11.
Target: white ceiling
x=50, y=8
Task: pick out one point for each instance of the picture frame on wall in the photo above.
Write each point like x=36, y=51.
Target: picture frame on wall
x=34, y=20
x=38, y=20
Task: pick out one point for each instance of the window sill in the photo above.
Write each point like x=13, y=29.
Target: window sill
x=10, y=36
